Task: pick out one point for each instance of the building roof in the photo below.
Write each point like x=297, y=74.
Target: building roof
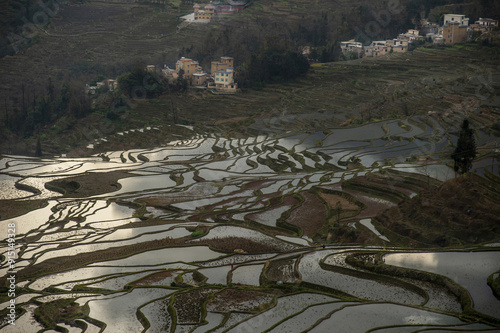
x=196, y=5
x=209, y=6
x=486, y=19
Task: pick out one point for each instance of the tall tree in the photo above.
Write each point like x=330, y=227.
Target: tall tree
x=465, y=152
x=38, y=150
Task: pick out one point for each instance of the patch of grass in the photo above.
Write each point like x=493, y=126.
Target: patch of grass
x=494, y=283
x=60, y=311
x=197, y=233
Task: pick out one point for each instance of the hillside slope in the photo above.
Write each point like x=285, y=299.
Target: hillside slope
x=467, y=208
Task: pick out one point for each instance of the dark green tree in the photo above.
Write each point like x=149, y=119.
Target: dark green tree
x=134, y=80
x=465, y=152
x=38, y=150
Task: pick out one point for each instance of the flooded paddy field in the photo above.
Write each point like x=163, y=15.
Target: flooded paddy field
x=216, y=234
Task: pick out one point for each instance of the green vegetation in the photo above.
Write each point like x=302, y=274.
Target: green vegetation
x=494, y=283
x=197, y=233
x=274, y=64
x=60, y=311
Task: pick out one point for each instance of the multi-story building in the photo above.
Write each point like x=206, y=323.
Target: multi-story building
x=484, y=25
x=351, y=46
x=189, y=66
x=376, y=48
x=454, y=33
x=199, y=78
x=231, y=7
x=456, y=18
x=205, y=14
x=224, y=63
x=224, y=80
x=487, y=22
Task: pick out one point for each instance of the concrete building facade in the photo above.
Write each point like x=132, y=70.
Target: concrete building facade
x=221, y=65
x=456, y=18
x=205, y=14
x=454, y=33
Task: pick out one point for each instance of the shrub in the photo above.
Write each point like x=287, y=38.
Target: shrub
x=197, y=233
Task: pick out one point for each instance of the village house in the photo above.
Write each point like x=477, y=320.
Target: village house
x=351, y=47
x=222, y=74
x=376, y=48
x=484, y=25
x=456, y=18
x=189, y=66
x=487, y=22
x=109, y=85
x=224, y=63
x=427, y=27
x=382, y=47
x=411, y=36
x=168, y=73
x=455, y=27
x=454, y=33
x=224, y=80
x=205, y=14
x=199, y=78
x=397, y=45
x=230, y=8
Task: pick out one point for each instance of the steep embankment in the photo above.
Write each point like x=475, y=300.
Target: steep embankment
x=464, y=210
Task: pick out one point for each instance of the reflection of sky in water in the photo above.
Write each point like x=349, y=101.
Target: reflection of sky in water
x=98, y=245
x=249, y=274
x=376, y=315
x=359, y=287
x=306, y=319
x=438, y=171
x=119, y=312
x=286, y=306
x=368, y=223
x=469, y=269
x=29, y=221
x=141, y=183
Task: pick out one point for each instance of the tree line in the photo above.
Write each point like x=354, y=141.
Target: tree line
x=32, y=111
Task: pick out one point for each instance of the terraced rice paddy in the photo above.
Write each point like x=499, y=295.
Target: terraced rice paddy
x=215, y=234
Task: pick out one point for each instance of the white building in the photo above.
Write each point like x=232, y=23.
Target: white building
x=351, y=46
x=452, y=18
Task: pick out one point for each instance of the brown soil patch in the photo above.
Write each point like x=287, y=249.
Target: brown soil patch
x=257, y=184
x=188, y=305
x=153, y=278
x=89, y=184
x=13, y=208
x=230, y=244
x=373, y=205
x=466, y=207
x=230, y=120
x=309, y=216
x=282, y=270
x=162, y=202
x=242, y=300
x=382, y=183
x=332, y=199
